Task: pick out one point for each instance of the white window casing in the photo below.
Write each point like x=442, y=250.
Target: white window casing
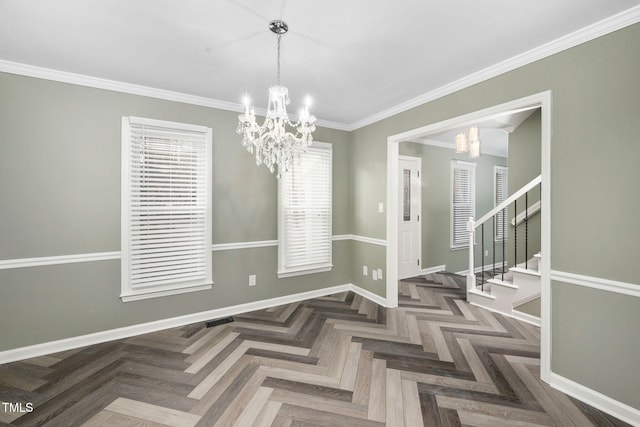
x=501, y=192
x=166, y=208
x=463, y=201
x=304, y=214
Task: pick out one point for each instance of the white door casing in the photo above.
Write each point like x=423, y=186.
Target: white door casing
x=409, y=217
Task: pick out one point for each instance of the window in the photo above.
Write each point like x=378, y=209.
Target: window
x=166, y=208
x=501, y=193
x=304, y=214
x=463, y=201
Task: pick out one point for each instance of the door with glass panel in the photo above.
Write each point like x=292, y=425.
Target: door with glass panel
x=409, y=229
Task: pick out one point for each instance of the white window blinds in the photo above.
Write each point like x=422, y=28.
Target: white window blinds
x=463, y=201
x=501, y=192
x=166, y=208
x=304, y=232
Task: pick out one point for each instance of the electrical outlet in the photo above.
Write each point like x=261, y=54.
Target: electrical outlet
x=252, y=280
x=365, y=270
x=486, y=252
x=379, y=274
x=375, y=274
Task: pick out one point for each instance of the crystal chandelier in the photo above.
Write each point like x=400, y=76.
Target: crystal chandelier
x=272, y=143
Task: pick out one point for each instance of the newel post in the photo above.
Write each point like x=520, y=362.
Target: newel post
x=471, y=277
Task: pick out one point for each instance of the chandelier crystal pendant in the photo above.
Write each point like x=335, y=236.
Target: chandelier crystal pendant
x=278, y=142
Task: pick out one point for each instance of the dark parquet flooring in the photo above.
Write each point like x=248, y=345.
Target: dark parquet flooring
x=335, y=361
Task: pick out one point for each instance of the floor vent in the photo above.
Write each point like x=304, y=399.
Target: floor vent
x=218, y=322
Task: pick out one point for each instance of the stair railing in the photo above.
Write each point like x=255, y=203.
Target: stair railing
x=499, y=211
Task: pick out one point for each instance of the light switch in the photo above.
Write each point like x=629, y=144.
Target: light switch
x=380, y=207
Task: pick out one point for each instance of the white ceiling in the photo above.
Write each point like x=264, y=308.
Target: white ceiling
x=356, y=58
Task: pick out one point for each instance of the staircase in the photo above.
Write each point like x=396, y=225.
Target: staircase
x=504, y=292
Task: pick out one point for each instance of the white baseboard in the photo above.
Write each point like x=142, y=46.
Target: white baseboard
x=369, y=295
x=527, y=299
x=517, y=314
x=535, y=321
x=596, y=399
x=174, y=322
x=435, y=269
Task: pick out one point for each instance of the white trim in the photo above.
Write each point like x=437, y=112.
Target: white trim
x=530, y=298
x=306, y=270
x=106, y=256
x=369, y=295
x=525, y=317
x=133, y=89
x=432, y=270
x=583, y=35
x=337, y=237
x=50, y=347
x=597, y=283
x=55, y=260
x=163, y=293
x=598, y=400
x=373, y=241
x=243, y=245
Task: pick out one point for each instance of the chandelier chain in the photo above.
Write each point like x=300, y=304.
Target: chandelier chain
x=279, y=38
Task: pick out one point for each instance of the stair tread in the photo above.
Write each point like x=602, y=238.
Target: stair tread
x=505, y=283
x=525, y=271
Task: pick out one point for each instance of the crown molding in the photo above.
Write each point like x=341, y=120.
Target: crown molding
x=603, y=27
x=113, y=85
x=133, y=89
x=583, y=35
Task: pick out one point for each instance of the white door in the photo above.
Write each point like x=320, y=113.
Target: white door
x=410, y=205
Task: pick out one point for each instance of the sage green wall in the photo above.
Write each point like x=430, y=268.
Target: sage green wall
x=602, y=326
x=530, y=307
x=436, y=205
x=524, y=165
x=594, y=151
x=60, y=192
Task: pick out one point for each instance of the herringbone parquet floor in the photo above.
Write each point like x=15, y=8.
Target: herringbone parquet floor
x=334, y=361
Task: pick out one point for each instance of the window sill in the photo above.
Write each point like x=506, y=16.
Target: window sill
x=301, y=272
x=163, y=293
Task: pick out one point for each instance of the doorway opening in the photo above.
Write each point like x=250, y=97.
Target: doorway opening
x=541, y=101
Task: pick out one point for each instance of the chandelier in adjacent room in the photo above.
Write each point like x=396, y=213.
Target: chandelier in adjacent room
x=278, y=142
x=469, y=142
